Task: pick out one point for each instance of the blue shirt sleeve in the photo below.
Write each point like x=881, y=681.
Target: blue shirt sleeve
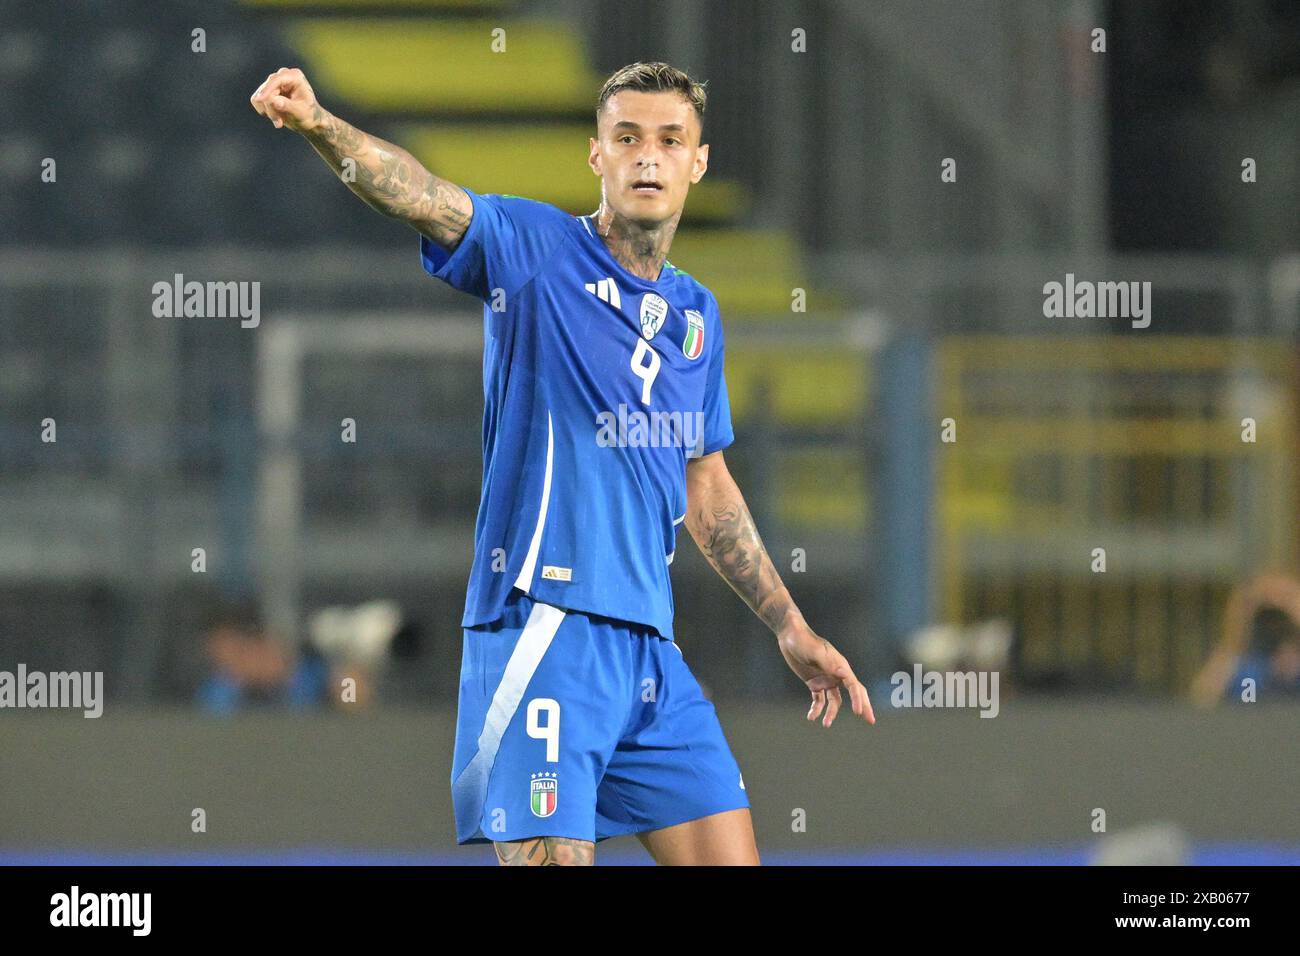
x=717, y=407
x=508, y=241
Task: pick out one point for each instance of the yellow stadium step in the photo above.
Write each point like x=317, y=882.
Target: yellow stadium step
x=423, y=65
x=752, y=272
x=543, y=162
x=824, y=488
x=806, y=386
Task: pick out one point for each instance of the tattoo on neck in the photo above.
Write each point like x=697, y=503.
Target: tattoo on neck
x=639, y=250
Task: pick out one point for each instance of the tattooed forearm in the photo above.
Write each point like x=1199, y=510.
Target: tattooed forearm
x=720, y=522
x=546, y=851
x=390, y=180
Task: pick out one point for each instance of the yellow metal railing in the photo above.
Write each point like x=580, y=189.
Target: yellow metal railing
x=1131, y=445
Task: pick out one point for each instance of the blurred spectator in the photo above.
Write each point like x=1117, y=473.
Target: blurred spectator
x=341, y=664
x=356, y=642
x=1256, y=644
x=247, y=667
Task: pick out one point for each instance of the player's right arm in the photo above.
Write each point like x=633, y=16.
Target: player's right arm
x=386, y=177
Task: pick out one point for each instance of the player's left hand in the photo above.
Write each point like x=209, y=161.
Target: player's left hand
x=824, y=670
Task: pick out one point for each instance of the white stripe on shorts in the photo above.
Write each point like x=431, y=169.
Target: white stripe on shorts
x=539, y=631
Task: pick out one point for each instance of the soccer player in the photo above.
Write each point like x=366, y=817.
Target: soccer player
x=605, y=420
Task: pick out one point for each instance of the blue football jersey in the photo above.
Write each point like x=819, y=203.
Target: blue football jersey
x=597, y=385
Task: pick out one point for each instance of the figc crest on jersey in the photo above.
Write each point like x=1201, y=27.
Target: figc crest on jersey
x=693, y=344
x=544, y=791
x=653, y=312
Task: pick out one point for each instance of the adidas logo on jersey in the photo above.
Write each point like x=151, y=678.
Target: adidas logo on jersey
x=606, y=290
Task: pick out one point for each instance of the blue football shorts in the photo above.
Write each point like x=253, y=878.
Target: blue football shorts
x=581, y=726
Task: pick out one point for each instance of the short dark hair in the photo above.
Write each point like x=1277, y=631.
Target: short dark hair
x=654, y=78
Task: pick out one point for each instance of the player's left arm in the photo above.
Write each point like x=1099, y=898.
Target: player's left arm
x=719, y=521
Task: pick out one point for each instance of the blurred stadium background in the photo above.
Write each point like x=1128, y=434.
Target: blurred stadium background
x=924, y=301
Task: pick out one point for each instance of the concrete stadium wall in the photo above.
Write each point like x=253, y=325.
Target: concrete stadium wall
x=1032, y=776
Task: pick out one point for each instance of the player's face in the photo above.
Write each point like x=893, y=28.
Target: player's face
x=648, y=153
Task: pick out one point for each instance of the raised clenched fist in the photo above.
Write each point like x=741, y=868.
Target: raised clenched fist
x=287, y=99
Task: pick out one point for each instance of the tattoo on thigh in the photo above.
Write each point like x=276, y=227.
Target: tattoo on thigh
x=546, y=851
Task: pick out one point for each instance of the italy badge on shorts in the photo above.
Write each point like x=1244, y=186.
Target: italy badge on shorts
x=693, y=344
x=545, y=794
